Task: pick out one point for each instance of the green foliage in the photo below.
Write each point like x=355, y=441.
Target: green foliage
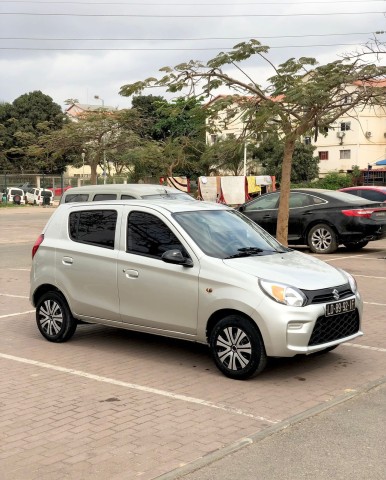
x=23, y=123
x=335, y=181
x=224, y=155
x=305, y=166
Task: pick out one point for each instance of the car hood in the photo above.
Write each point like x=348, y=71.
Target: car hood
x=293, y=268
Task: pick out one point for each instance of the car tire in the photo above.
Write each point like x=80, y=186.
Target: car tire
x=237, y=348
x=355, y=246
x=17, y=199
x=322, y=239
x=54, y=319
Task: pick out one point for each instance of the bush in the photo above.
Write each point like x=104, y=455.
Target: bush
x=332, y=181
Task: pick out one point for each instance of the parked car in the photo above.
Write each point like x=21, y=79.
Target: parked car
x=14, y=195
x=58, y=191
x=124, y=191
x=39, y=196
x=197, y=271
x=322, y=219
x=377, y=194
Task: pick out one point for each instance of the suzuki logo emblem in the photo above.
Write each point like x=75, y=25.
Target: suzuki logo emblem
x=335, y=294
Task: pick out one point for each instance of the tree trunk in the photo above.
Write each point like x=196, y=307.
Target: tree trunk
x=285, y=185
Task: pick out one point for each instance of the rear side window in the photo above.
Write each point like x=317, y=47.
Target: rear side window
x=95, y=227
x=76, y=197
x=104, y=196
x=127, y=197
x=148, y=235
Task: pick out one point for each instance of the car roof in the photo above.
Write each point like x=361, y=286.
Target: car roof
x=133, y=187
x=365, y=187
x=159, y=205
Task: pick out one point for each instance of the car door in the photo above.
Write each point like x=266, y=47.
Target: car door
x=263, y=211
x=153, y=293
x=86, y=262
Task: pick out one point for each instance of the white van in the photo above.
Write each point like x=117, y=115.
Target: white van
x=39, y=196
x=123, y=191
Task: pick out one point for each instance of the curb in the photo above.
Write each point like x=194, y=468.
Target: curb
x=258, y=436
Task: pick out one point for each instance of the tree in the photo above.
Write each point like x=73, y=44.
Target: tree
x=104, y=137
x=225, y=154
x=301, y=97
x=24, y=122
x=305, y=166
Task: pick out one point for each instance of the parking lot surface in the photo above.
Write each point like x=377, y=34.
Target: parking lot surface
x=123, y=405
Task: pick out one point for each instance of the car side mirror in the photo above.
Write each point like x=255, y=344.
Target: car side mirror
x=175, y=256
x=241, y=208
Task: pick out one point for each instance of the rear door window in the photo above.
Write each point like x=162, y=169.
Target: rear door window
x=76, y=197
x=104, y=196
x=94, y=227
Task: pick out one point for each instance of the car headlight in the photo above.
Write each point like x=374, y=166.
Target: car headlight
x=282, y=293
x=351, y=280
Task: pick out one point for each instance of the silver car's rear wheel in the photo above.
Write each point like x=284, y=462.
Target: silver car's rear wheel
x=237, y=347
x=322, y=239
x=54, y=319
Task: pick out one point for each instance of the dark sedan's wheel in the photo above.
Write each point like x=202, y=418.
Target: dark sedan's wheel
x=237, y=348
x=355, y=246
x=54, y=318
x=322, y=239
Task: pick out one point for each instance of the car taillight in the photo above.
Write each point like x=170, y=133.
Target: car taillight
x=363, y=213
x=37, y=244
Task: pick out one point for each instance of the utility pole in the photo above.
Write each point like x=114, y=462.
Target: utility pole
x=97, y=97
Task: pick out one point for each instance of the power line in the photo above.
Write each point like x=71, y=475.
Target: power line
x=188, y=4
x=190, y=39
x=134, y=15
x=165, y=49
x=186, y=39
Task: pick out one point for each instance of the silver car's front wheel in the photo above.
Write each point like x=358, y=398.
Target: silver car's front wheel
x=322, y=239
x=54, y=318
x=237, y=347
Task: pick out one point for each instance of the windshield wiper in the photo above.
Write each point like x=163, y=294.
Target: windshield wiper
x=248, y=251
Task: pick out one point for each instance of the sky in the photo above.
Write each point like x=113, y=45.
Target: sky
x=81, y=49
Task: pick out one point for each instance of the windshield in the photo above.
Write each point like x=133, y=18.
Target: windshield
x=227, y=234
x=169, y=196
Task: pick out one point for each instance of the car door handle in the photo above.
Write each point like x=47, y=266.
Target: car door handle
x=131, y=273
x=267, y=216
x=67, y=261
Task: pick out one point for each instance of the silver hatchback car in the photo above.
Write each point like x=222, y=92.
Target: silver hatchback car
x=191, y=270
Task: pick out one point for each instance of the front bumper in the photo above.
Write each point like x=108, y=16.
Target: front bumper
x=288, y=331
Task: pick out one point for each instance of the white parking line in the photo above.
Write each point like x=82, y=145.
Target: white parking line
x=351, y=256
x=365, y=347
x=374, y=303
x=134, y=386
x=16, y=314
x=370, y=276
x=19, y=269
x=13, y=296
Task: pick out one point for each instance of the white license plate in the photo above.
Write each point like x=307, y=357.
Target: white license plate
x=340, y=307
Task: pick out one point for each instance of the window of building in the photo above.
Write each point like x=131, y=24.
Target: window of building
x=323, y=155
x=213, y=138
x=345, y=126
x=94, y=227
x=307, y=140
x=150, y=236
x=344, y=154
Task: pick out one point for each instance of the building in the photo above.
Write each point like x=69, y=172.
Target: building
x=356, y=139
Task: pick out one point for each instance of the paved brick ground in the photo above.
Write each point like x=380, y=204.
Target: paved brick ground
x=123, y=405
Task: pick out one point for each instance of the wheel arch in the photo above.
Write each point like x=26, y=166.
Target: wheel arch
x=220, y=314
x=43, y=289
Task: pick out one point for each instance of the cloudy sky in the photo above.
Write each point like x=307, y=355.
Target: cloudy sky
x=83, y=48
